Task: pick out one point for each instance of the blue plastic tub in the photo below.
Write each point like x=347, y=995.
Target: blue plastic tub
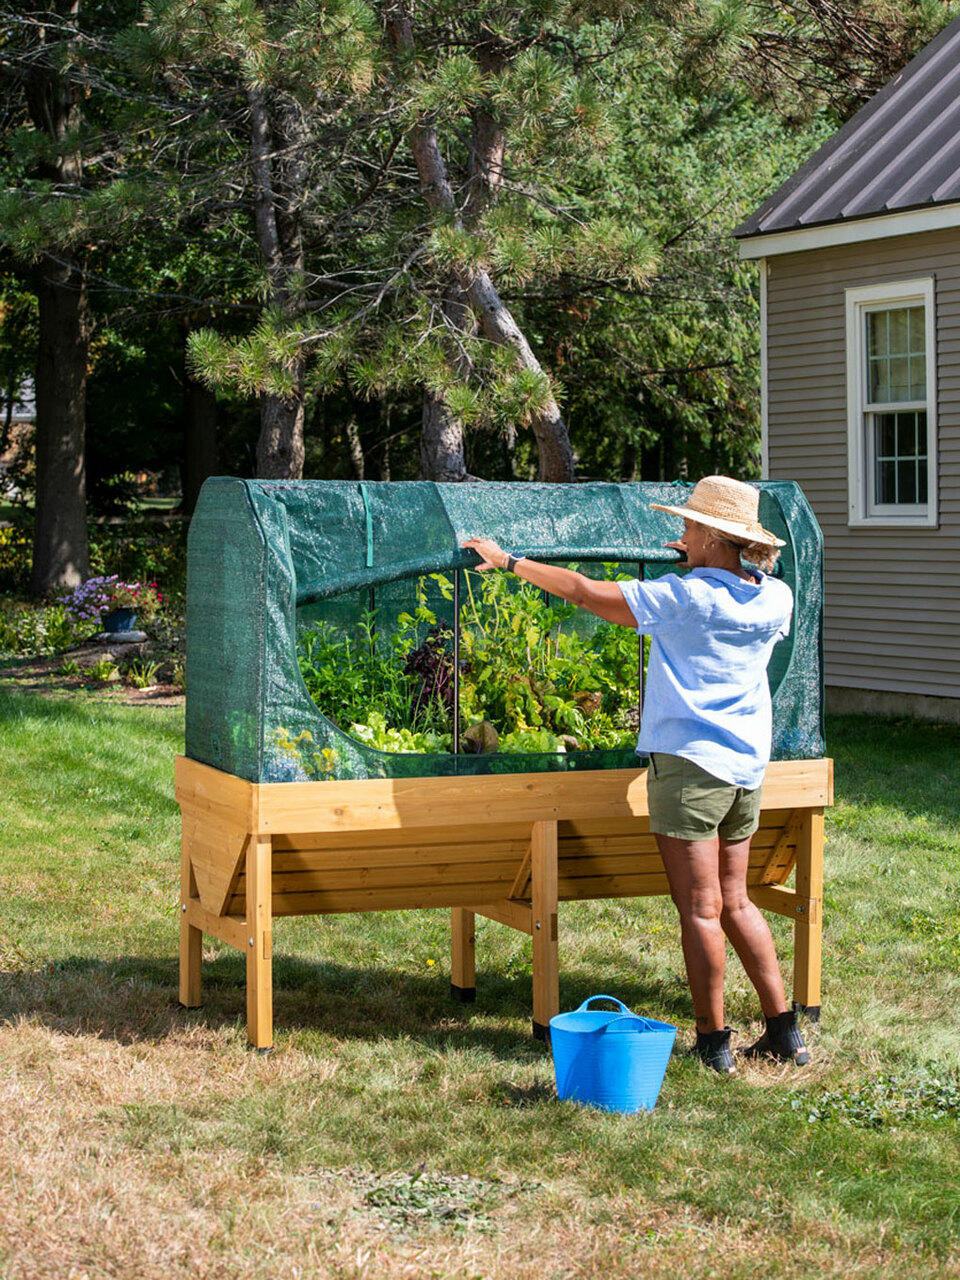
x=612, y=1059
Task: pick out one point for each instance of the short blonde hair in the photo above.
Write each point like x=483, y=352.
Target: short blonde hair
x=759, y=553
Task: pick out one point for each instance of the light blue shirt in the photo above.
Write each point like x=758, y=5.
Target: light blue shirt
x=707, y=697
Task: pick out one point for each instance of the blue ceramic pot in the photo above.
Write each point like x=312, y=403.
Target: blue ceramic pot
x=118, y=620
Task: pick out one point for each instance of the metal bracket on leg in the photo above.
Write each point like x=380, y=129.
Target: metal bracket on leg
x=463, y=995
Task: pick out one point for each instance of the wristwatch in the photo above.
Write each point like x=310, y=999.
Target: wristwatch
x=512, y=562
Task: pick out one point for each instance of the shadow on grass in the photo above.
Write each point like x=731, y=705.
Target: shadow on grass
x=133, y=999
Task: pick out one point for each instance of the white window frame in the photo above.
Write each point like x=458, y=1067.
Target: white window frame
x=862, y=512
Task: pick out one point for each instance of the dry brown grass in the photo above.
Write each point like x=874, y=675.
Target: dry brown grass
x=79, y=1201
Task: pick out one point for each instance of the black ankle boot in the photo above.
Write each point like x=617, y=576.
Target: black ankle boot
x=713, y=1050
x=781, y=1041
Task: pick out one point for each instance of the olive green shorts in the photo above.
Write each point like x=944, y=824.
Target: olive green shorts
x=688, y=803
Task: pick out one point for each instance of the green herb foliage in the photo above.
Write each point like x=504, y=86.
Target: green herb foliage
x=527, y=670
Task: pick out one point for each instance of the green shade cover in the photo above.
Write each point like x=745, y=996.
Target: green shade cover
x=264, y=553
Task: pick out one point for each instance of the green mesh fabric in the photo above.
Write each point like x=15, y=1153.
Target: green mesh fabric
x=264, y=554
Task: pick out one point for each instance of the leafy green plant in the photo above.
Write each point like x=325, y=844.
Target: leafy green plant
x=377, y=733
x=531, y=678
x=70, y=667
x=104, y=670
x=31, y=630
x=142, y=674
x=426, y=1200
x=885, y=1100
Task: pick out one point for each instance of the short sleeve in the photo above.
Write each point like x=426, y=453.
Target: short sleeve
x=657, y=606
x=784, y=628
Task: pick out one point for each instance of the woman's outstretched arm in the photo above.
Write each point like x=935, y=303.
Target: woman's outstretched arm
x=605, y=599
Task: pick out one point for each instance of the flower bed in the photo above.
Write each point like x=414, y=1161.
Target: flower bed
x=102, y=595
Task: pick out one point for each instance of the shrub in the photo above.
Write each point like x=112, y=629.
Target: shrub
x=30, y=630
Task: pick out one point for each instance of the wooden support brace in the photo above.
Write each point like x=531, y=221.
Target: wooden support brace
x=783, y=902
x=521, y=884
x=191, y=937
x=516, y=915
x=543, y=884
x=229, y=929
x=259, y=949
x=778, y=865
x=463, y=968
x=808, y=928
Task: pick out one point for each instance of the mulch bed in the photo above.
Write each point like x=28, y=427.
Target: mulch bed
x=44, y=676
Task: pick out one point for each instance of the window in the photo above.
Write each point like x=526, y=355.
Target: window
x=891, y=404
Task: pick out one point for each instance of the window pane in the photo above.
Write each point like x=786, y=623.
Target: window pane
x=896, y=365
x=876, y=333
x=886, y=481
x=907, y=481
x=879, y=386
x=885, y=435
x=899, y=343
x=906, y=435
x=900, y=458
x=921, y=436
x=918, y=378
x=899, y=378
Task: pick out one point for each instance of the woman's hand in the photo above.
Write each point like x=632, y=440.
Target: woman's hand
x=492, y=555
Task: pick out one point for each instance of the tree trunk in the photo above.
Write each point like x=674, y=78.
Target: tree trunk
x=496, y=320
x=628, y=461
x=60, y=548
x=441, y=433
x=509, y=444
x=280, y=448
x=441, y=443
x=355, y=446
x=199, y=439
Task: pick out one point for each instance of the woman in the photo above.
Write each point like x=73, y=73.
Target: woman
x=706, y=727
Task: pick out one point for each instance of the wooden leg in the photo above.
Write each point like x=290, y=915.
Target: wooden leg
x=546, y=968
x=808, y=930
x=259, y=944
x=463, y=970
x=191, y=938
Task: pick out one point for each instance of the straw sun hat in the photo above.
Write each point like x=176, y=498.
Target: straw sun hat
x=728, y=505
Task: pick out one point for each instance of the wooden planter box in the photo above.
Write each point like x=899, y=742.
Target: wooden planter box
x=510, y=847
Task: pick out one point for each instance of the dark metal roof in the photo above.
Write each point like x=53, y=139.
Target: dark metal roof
x=900, y=151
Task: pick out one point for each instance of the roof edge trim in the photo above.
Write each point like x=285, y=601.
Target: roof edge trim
x=852, y=231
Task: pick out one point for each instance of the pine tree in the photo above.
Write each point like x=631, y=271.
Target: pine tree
x=45, y=93
x=396, y=284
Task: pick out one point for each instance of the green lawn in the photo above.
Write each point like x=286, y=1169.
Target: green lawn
x=392, y=1134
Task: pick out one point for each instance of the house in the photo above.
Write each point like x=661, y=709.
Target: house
x=859, y=255
x=16, y=437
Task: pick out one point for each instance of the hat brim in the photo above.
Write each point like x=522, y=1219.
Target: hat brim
x=735, y=528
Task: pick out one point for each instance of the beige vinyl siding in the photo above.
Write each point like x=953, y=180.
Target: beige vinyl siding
x=892, y=614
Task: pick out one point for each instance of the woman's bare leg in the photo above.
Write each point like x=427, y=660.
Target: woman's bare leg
x=693, y=870
x=748, y=931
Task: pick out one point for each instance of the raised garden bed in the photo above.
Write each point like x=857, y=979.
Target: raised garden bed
x=287, y=812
